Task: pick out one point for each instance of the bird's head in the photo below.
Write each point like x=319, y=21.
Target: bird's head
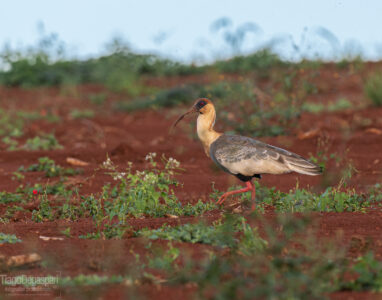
x=201, y=106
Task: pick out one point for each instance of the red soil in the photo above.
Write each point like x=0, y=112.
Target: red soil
x=130, y=136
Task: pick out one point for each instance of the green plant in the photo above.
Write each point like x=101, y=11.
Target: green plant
x=47, y=165
x=143, y=193
x=12, y=144
x=332, y=199
x=12, y=122
x=373, y=88
x=44, y=211
x=322, y=155
x=219, y=234
x=302, y=200
x=340, y=104
x=55, y=201
x=164, y=259
x=66, y=232
x=18, y=176
x=10, y=125
x=292, y=265
x=43, y=142
x=6, y=198
x=146, y=192
x=11, y=210
x=309, y=88
x=368, y=274
x=70, y=211
x=166, y=98
x=97, y=99
x=288, y=81
x=8, y=238
x=82, y=114
x=313, y=107
x=58, y=189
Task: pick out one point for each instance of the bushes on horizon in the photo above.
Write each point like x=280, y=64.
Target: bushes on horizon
x=116, y=70
x=119, y=70
x=260, y=60
x=373, y=88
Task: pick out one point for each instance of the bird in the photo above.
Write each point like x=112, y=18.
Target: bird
x=241, y=156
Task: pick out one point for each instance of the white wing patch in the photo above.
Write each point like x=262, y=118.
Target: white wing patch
x=249, y=167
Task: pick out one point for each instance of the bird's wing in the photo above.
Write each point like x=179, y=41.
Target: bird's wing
x=239, y=154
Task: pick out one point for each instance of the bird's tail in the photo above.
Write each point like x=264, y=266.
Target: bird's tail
x=301, y=165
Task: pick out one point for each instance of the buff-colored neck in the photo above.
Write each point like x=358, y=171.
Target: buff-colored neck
x=205, y=128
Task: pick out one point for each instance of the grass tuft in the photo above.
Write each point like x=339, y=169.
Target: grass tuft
x=373, y=88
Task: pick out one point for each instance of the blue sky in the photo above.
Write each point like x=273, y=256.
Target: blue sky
x=182, y=29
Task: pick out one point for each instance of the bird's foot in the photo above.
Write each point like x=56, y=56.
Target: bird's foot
x=241, y=207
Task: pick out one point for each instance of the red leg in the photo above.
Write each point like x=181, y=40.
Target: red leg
x=249, y=187
x=253, y=197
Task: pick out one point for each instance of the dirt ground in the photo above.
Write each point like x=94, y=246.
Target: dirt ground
x=130, y=136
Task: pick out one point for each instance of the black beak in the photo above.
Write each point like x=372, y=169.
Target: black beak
x=192, y=110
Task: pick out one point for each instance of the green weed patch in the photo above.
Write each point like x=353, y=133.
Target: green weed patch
x=333, y=199
x=49, y=167
x=43, y=142
x=220, y=234
x=137, y=194
x=8, y=238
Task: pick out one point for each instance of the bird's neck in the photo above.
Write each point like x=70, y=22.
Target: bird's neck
x=205, y=129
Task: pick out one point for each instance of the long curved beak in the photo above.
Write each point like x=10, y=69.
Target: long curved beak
x=192, y=110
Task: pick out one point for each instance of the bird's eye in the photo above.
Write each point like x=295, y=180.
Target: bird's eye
x=200, y=104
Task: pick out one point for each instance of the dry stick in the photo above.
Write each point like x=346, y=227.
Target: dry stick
x=19, y=260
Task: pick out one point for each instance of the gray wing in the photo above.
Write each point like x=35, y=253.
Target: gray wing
x=246, y=156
